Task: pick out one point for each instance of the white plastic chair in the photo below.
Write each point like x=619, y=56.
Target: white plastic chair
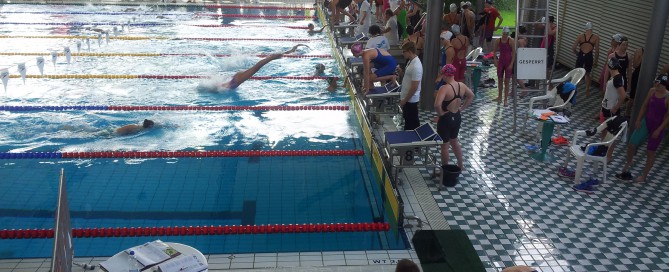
x=575, y=75
x=582, y=155
x=474, y=54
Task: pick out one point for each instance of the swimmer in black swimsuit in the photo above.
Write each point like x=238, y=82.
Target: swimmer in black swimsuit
x=242, y=76
x=448, y=105
x=583, y=47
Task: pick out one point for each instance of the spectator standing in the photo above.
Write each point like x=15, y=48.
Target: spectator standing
x=410, y=93
x=491, y=15
x=390, y=31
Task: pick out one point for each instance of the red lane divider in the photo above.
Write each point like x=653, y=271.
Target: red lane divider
x=257, y=7
x=259, y=55
x=226, y=108
x=197, y=230
x=249, y=39
x=253, y=77
x=257, y=16
x=273, y=26
x=211, y=154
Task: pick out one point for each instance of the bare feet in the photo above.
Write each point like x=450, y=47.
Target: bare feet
x=498, y=99
x=639, y=179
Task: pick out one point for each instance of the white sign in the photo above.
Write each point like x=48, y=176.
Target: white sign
x=531, y=63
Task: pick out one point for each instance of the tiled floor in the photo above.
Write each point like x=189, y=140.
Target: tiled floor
x=517, y=210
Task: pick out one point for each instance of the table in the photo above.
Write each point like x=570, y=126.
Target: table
x=473, y=75
x=123, y=262
x=546, y=135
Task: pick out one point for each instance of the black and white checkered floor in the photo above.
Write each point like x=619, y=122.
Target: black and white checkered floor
x=518, y=211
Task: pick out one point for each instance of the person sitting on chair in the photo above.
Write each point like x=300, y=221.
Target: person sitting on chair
x=134, y=128
x=242, y=76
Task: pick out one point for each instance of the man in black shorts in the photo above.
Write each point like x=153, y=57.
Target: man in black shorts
x=584, y=47
x=338, y=6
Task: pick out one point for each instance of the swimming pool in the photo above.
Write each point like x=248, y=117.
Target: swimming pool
x=140, y=192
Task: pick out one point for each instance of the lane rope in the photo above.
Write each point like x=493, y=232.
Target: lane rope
x=154, y=38
x=163, y=77
x=179, y=154
x=150, y=24
x=12, y=108
x=198, y=230
x=85, y=54
x=171, y=14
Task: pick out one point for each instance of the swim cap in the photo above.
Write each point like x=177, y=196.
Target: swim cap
x=447, y=35
x=617, y=37
x=489, y=2
x=147, y=123
x=453, y=7
x=455, y=29
x=356, y=49
x=449, y=70
x=614, y=64
x=506, y=29
x=663, y=79
x=588, y=25
x=320, y=67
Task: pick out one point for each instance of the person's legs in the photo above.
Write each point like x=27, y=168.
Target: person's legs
x=334, y=19
x=410, y=114
x=457, y=150
x=444, y=153
x=506, y=91
x=242, y=76
x=650, y=160
x=631, y=151
x=500, y=87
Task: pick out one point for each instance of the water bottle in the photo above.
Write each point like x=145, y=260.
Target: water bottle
x=135, y=265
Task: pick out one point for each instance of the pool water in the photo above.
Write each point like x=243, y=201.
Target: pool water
x=181, y=191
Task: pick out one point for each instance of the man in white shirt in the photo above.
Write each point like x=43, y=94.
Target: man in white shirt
x=377, y=41
x=390, y=31
x=410, y=94
x=364, y=17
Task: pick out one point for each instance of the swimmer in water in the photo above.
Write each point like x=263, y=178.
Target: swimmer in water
x=242, y=76
x=312, y=29
x=332, y=81
x=133, y=129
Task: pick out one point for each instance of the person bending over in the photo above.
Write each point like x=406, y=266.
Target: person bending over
x=650, y=125
x=383, y=63
x=448, y=105
x=242, y=76
x=339, y=6
x=134, y=128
